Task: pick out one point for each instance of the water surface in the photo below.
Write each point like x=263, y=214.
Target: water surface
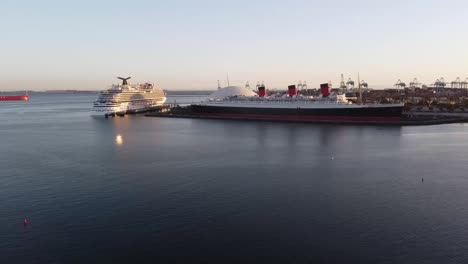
x=144, y=189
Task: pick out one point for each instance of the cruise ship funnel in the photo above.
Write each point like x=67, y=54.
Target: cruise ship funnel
x=124, y=80
x=262, y=91
x=325, y=89
x=292, y=91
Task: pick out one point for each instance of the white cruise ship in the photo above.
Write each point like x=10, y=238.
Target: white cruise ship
x=126, y=98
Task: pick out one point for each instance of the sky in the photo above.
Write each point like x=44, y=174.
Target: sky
x=183, y=45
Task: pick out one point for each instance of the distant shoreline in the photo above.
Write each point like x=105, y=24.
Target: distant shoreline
x=169, y=92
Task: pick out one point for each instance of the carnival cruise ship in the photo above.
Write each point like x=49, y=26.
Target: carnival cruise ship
x=240, y=103
x=125, y=98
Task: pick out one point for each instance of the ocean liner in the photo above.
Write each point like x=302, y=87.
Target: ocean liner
x=126, y=98
x=242, y=103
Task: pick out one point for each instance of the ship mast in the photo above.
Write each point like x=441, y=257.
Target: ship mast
x=342, y=83
x=360, y=92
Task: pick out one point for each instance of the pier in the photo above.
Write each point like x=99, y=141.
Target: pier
x=160, y=109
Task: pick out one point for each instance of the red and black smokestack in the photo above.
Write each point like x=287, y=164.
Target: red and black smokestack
x=325, y=89
x=292, y=91
x=262, y=91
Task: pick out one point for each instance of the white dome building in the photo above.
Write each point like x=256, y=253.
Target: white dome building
x=231, y=91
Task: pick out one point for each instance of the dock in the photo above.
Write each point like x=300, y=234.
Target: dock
x=160, y=109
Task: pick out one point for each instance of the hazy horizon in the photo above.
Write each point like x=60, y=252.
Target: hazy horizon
x=183, y=45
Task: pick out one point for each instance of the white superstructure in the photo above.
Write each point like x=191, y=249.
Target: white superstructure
x=334, y=101
x=126, y=98
x=234, y=96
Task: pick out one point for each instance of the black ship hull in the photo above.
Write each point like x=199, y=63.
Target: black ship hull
x=338, y=114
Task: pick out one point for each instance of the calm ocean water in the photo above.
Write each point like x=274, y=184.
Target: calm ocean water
x=140, y=189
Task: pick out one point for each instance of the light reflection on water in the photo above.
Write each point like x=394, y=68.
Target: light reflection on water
x=118, y=140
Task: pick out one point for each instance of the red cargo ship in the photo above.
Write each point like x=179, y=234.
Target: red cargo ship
x=24, y=97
